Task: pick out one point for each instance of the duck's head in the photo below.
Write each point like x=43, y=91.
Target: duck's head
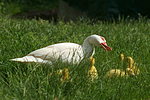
x=98, y=41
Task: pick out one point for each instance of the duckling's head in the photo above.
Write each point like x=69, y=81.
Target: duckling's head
x=130, y=59
x=121, y=57
x=66, y=71
x=130, y=71
x=92, y=60
x=59, y=72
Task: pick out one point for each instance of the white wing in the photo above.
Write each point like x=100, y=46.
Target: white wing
x=67, y=52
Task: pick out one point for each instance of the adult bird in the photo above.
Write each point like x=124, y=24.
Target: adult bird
x=66, y=52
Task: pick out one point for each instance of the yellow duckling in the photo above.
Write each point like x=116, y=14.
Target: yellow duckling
x=112, y=73
x=121, y=57
x=92, y=72
x=131, y=62
x=58, y=72
x=65, y=76
x=136, y=70
x=130, y=71
x=118, y=72
x=63, y=73
x=132, y=65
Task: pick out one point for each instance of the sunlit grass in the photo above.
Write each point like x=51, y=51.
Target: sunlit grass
x=25, y=81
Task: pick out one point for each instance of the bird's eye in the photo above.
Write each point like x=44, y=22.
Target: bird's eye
x=102, y=38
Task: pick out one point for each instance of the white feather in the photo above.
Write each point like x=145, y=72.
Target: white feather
x=67, y=52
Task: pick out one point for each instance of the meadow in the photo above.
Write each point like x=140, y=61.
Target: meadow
x=21, y=81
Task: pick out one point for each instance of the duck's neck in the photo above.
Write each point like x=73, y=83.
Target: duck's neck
x=88, y=48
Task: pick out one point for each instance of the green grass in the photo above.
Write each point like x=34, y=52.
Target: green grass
x=13, y=7
x=20, y=81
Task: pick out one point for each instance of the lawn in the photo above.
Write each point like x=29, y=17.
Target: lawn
x=20, y=81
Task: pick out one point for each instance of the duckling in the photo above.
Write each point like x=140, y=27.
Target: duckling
x=131, y=62
x=130, y=71
x=92, y=72
x=112, y=73
x=118, y=72
x=65, y=76
x=121, y=57
x=132, y=65
x=127, y=72
x=58, y=72
x=136, y=71
x=123, y=74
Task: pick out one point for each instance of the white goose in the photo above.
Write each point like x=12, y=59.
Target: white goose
x=66, y=52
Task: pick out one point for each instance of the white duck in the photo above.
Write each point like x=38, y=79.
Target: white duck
x=66, y=52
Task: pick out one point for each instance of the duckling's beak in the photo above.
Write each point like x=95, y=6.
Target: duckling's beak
x=133, y=74
x=105, y=46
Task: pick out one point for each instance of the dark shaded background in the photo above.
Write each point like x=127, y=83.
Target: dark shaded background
x=109, y=9
x=101, y=9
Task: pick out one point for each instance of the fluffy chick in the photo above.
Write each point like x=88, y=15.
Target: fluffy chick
x=63, y=74
x=118, y=72
x=132, y=66
x=121, y=57
x=113, y=72
x=131, y=62
x=92, y=72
